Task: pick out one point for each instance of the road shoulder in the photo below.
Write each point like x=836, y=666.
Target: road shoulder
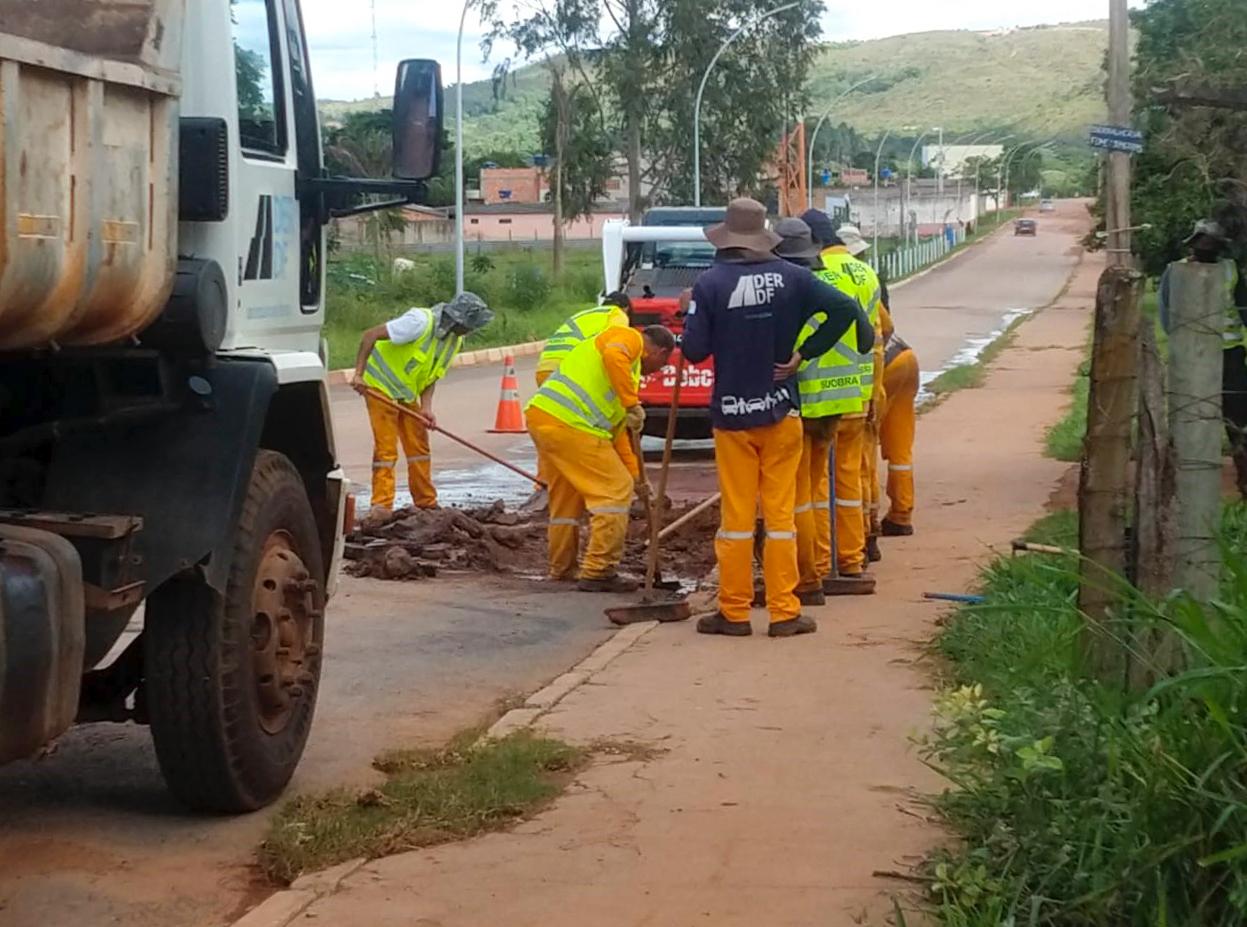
x=784, y=783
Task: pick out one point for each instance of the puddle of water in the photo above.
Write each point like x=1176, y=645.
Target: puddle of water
x=970, y=353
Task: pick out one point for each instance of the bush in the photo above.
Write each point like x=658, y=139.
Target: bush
x=1079, y=805
x=482, y=263
x=527, y=288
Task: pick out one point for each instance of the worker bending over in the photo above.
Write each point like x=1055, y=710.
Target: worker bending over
x=588, y=323
x=858, y=281
x=747, y=310
x=898, y=420
x=403, y=359
x=829, y=387
x=579, y=420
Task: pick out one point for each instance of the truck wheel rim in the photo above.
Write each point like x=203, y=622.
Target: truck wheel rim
x=282, y=630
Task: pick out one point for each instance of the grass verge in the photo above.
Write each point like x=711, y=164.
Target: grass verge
x=1077, y=804
x=529, y=301
x=429, y=797
x=1064, y=439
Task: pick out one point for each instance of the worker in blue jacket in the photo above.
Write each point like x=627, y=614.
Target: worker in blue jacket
x=747, y=311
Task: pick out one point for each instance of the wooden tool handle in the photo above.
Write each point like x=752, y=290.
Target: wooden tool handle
x=381, y=397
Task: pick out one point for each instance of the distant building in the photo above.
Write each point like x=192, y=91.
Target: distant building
x=956, y=156
x=520, y=185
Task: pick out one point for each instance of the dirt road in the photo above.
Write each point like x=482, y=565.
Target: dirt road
x=89, y=834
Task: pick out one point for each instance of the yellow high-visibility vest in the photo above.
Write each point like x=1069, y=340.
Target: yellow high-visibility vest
x=831, y=384
x=404, y=371
x=579, y=393
x=858, y=279
x=582, y=326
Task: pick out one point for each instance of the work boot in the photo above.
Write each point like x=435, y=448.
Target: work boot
x=793, y=626
x=718, y=624
x=849, y=584
x=890, y=529
x=811, y=596
x=612, y=583
x=873, y=553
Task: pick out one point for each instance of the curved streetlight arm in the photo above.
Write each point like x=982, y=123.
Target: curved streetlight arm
x=818, y=127
x=878, y=157
x=702, y=88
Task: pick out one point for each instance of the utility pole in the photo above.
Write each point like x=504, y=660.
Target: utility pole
x=1117, y=213
x=1112, y=407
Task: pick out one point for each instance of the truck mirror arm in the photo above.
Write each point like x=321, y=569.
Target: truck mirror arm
x=335, y=190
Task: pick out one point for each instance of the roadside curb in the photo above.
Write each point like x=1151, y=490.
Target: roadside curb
x=543, y=701
x=284, y=907
x=280, y=909
x=466, y=359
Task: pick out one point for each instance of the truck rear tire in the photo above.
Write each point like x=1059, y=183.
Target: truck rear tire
x=231, y=683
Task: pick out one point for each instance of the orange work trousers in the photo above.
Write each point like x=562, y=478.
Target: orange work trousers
x=850, y=524
x=752, y=464
x=585, y=472
x=390, y=428
x=896, y=434
x=813, y=502
x=870, y=461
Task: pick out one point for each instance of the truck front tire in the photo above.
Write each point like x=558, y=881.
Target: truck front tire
x=231, y=683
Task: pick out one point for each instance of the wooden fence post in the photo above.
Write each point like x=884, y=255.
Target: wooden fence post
x=1157, y=650
x=1103, y=489
x=1197, y=317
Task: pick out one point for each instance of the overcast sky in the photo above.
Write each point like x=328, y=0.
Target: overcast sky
x=340, y=34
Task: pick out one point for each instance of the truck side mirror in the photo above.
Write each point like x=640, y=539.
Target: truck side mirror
x=417, y=119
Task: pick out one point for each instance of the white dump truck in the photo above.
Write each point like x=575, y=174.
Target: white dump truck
x=165, y=439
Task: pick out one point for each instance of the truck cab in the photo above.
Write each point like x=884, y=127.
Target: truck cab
x=165, y=439
x=660, y=259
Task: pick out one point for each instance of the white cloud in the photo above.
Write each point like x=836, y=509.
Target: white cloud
x=342, y=48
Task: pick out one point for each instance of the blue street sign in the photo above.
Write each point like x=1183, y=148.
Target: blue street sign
x=1116, y=138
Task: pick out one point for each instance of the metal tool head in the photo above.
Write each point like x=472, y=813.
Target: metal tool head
x=665, y=611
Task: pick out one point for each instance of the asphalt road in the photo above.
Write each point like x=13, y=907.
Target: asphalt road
x=91, y=837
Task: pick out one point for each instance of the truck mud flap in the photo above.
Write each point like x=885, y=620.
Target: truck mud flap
x=42, y=639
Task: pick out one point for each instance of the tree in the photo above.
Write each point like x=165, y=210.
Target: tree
x=1191, y=92
x=583, y=161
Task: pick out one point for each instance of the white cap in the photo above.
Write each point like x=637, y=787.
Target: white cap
x=851, y=235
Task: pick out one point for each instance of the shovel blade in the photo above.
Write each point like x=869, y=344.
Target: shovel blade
x=650, y=611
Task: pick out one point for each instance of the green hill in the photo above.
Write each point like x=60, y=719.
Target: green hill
x=1042, y=81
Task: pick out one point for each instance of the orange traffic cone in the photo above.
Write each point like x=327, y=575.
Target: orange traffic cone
x=510, y=418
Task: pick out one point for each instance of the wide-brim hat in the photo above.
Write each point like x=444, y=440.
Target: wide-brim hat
x=1208, y=228
x=851, y=235
x=797, y=242
x=743, y=227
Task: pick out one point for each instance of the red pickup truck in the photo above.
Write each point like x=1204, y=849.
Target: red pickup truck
x=654, y=263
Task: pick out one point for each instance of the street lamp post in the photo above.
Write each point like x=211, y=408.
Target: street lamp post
x=459, y=195
x=702, y=88
x=818, y=128
x=909, y=176
x=878, y=156
x=939, y=183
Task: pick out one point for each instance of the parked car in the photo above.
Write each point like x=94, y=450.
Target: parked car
x=1025, y=227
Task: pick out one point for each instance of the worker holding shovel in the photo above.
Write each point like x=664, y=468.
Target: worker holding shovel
x=576, y=420
x=403, y=359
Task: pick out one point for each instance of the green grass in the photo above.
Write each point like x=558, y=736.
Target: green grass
x=518, y=285
x=429, y=797
x=1064, y=439
x=1075, y=803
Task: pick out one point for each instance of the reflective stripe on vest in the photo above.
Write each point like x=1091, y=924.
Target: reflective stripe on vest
x=586, y=324
x=857, y=279
x=831, y=384
x=579, y=393
x=404, y=371
x=1233, y=335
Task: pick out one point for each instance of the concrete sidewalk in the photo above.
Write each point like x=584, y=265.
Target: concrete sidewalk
x=786, y=780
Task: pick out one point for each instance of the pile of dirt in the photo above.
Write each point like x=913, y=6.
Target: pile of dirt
x=415, y=544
